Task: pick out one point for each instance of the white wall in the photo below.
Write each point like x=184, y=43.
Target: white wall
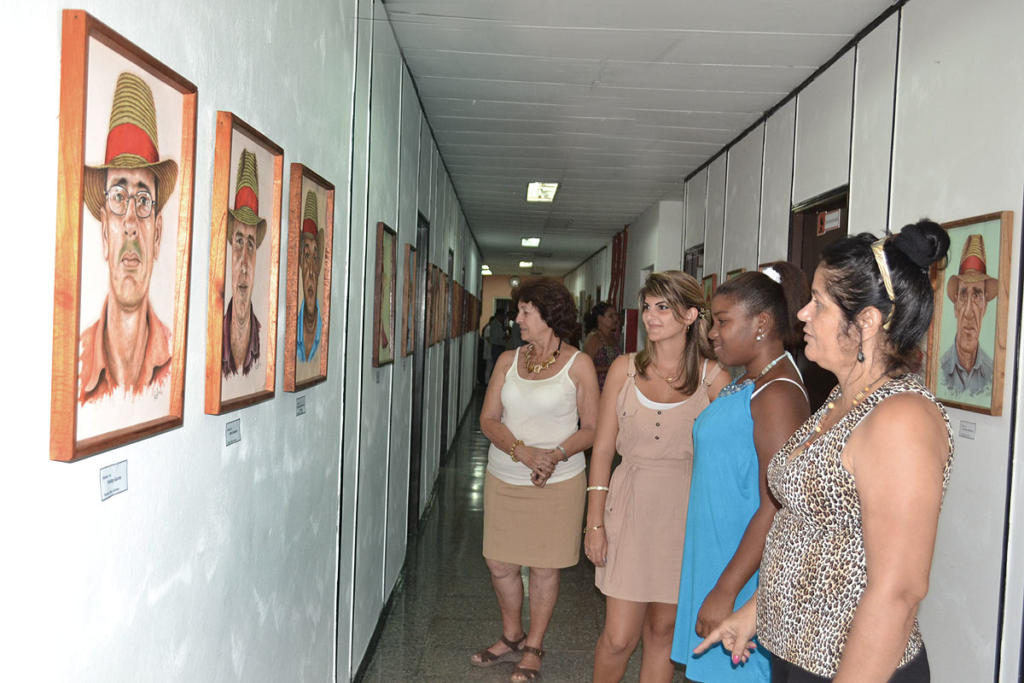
x=777, y=184
x=955, y=157
x=224, y=563
x=218, y=563
x=823, y=120
x=591, y=275
x=655, y=239
x=743, y=202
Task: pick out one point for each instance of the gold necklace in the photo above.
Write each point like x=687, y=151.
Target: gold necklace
x=543, y=365
x=668, y=380
x=860, y=396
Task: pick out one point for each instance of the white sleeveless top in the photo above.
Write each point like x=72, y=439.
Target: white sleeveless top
x=541, y=412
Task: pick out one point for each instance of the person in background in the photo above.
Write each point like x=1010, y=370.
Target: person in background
x=539, y=413
x=494, y=337
x=861, y=483
x=635, y=515
x=602, y=343
x=754, y=318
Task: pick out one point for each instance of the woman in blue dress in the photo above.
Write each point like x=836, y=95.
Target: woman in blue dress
x=754, y=323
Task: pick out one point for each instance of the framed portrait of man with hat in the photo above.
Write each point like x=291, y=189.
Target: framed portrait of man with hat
x=308, y=305
x=124, y=229
x=245, y=233
x=967, y=343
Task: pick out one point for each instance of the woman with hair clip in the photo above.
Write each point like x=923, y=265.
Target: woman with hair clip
x=861, y=483
x=754, y=328
x=634, y=516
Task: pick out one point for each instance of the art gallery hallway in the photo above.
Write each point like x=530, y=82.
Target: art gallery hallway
x=444, y=608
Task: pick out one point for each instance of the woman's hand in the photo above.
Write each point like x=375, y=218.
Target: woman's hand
x=735, y=633
x=717, y=606
x=542, y=462
x=595, y=545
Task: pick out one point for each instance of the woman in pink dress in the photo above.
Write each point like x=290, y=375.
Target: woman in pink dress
x=634, y=516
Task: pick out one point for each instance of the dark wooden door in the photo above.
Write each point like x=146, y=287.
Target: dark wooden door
x=812, y=228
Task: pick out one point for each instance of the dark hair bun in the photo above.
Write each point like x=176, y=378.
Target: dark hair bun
x=924, y=242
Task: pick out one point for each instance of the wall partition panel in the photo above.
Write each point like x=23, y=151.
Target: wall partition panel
x=696, y=206
x=823, y=124
x=401, y=405
x=743, y=202
x=777, y=184
x=375, y=426
x=714, y=231
x=874, y=102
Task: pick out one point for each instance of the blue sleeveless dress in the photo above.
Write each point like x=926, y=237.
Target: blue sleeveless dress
x=724, y=496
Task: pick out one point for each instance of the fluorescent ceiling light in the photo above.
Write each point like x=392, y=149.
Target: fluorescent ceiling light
x=530, y=241
x=541, y=192
x=526, y=264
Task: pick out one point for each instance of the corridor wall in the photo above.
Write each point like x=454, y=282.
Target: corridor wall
x=897, y=119
x=218, y=562
x=405, y=176
x=591, y=276
x=270, y=559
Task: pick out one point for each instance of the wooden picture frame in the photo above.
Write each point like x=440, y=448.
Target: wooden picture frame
x=443, y=309
x=456, y=330
x=434, y=287
x=245, y=257
x=127, y=132
x=409, y=299
x=710, y=285
x=975, y=276
x=734, y=272
x=310, y=238
x=385, y=279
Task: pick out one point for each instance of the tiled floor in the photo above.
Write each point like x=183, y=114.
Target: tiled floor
x=445, y=609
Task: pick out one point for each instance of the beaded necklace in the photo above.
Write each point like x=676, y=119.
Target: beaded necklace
x=736, y=386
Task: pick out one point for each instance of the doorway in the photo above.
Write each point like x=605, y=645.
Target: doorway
x=813, y=226
x=418, y=372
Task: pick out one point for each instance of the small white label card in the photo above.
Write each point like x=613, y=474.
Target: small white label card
x=300, y=405
x=113, y=479
x=233, y=432
x=967, y=429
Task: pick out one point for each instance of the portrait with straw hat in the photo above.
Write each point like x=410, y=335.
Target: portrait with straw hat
x=311, y=256
x=966, y=368
x=128, y=346
x=240, y=342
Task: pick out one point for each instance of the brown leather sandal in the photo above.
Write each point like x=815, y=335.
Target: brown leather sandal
x=521, y=674
x=485, y=657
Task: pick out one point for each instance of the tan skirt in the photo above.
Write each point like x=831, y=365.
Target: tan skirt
x=531, y=526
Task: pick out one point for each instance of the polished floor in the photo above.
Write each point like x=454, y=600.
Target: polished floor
x=444, y=609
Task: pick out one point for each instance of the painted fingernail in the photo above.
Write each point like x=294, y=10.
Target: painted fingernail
x=735, y=659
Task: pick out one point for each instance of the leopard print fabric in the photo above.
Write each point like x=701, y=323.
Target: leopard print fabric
x=814, y=571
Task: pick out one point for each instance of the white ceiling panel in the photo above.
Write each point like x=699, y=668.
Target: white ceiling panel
x=616, y=101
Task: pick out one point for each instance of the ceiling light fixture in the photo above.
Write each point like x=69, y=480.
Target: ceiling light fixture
x=526, y=264
x=541, y=192
x=530, y=241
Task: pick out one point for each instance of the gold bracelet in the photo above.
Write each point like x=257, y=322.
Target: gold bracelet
x=597, y=488
x=592, y=528
x=512, y=451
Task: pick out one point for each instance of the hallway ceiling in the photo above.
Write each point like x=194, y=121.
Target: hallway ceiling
x=617, y=101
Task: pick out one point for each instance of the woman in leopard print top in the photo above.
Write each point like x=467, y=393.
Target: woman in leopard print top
x=860, y=484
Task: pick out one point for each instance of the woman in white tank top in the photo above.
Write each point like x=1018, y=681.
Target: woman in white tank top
x=540, y=414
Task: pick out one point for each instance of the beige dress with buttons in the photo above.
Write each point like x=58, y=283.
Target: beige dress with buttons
x=645, y=510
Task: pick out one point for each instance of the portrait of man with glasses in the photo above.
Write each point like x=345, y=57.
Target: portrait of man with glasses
x=128, y=348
